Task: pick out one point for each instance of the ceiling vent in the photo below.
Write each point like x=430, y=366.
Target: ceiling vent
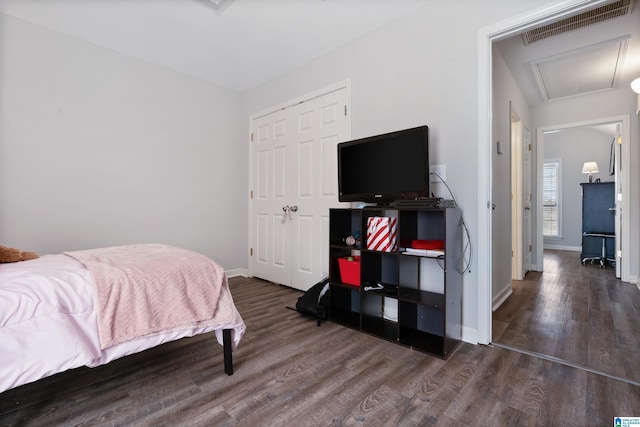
x=603, y=13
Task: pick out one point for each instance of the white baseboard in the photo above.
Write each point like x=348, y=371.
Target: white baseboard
x=502, y=296
x=237, y=272
x=563, y=248
x=535, y=267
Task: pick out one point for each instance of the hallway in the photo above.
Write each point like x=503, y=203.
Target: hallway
x=579, y=314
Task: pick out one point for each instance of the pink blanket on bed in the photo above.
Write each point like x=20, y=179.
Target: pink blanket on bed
x=152, y=288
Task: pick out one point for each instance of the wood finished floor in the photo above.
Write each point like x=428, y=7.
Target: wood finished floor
x=581, y=314
x=289, y=372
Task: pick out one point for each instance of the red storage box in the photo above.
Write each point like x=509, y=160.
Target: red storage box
x=350, y=270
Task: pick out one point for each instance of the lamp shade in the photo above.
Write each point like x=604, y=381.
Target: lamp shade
x=590, y=167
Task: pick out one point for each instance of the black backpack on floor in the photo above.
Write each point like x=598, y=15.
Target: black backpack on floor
x=315, y=302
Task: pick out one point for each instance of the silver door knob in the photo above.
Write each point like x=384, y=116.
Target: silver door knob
x=294, y=208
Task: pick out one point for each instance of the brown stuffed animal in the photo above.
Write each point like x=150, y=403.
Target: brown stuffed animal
x=14, y=255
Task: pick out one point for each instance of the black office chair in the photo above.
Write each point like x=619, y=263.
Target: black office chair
x=602, y=259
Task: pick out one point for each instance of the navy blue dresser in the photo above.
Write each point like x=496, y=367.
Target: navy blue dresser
x=598, y=223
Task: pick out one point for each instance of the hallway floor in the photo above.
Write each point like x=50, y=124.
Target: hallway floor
x=580, y=314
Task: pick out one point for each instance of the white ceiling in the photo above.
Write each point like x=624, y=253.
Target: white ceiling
x=237, y=44
x=600, y=57
x=240, y=44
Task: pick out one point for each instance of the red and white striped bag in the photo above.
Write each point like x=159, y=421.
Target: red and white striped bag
x=382, y=233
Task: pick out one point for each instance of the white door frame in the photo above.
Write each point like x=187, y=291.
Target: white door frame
x=345, y=84
x=623, y=181
x=620, y=204
x=486, y=37
x=516, y=131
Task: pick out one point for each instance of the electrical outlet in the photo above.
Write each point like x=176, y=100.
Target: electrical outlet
x=440, y=170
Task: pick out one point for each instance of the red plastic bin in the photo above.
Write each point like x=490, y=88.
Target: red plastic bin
x=350, y=270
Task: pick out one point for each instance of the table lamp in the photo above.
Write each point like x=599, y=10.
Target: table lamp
x=590, y=167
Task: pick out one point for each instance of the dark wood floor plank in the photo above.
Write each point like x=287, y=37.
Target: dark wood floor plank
x=504, y=415
x=290, y=372
x=581, y=314
x=605, y=390
x=571, y=344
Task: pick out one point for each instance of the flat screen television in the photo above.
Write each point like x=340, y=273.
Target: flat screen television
x=385, y=168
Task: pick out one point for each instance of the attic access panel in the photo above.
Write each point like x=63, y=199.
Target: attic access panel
x=587, y=70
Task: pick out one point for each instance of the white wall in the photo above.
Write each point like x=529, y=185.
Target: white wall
x=574, y=147
x=113, y=150
x=421, y=69
x=98, y=148
x=505, y=93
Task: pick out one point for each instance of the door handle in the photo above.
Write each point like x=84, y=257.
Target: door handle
x=286, y=213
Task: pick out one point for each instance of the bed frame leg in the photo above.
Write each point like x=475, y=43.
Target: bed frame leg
x=228, y=356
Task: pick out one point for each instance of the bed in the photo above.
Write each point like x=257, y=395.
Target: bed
x=87, y=308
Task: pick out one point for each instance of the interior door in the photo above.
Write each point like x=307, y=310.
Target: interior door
x=321, y=125
x=526, y=218
x=517, y=199
x=273, y=158
x=616, y=148
x=294, y=182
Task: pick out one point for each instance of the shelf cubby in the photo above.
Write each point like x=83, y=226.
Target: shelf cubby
x=420, y=304
x=345, y=305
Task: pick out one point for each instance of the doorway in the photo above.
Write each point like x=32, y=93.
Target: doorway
x=520, y=196
x=486, y=37
x=562, y=313
x=618, y=166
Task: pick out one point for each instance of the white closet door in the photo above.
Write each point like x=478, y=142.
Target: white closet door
x=273, y=167
x=321, y=126
x=294, y=161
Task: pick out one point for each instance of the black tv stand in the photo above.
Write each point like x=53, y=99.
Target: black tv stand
x=407, y=298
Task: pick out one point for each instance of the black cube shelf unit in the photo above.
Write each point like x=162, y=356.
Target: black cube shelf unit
x=420, y=305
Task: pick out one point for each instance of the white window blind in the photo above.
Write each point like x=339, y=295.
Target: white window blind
x=551, y=198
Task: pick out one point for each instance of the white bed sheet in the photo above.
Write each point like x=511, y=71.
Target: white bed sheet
x=48, y=322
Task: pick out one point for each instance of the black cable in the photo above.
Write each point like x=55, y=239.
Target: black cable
x=467, y=246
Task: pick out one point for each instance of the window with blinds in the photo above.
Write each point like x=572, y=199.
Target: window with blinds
x=551, y=198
